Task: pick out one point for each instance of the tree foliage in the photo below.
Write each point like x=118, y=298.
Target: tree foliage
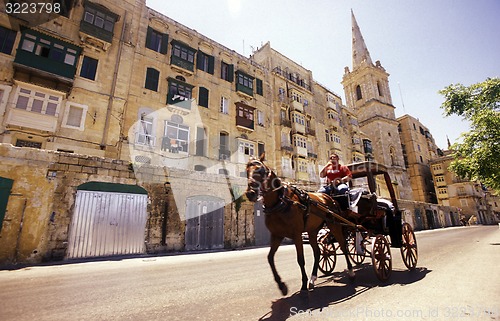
x=477, y=157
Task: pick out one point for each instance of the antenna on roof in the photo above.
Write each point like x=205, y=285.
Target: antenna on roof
x=401, y=95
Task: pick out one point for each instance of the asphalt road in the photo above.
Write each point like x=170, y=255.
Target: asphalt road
x=457, y=278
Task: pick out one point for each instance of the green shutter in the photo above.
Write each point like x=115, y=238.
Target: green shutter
x=5, y=189
x=203, y=97
x=231, y=73
x=211, y=63
x=199, y=60
x=164, y=44
x=259, y=88
x=148, y=37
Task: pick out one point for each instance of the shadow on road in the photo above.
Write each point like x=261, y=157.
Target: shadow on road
x=338, y=288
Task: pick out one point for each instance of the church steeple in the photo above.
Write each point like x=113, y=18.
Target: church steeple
x=360, y=53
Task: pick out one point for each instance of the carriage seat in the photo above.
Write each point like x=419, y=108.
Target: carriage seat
x=350, y=199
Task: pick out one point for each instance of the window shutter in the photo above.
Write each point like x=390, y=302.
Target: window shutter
x=164, y=44
x=230, y=77
x=203, y=97
x=199, y=60
x=259, y=89
x=211, y=63
x=148, y=37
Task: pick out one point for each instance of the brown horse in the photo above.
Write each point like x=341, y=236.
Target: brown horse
x=289, y=212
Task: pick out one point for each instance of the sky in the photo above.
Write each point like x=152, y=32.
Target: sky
x=425, y=45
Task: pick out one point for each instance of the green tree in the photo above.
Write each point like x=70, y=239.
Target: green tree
x=477, y=157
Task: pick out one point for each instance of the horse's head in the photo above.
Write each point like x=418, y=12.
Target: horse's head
x=257, y=175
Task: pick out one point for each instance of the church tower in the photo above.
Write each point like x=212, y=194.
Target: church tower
x=368, y=95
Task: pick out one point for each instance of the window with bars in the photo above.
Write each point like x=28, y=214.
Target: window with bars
x=145, y=132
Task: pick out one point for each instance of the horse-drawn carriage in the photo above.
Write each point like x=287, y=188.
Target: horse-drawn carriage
x=359, y=222
x=376, y=224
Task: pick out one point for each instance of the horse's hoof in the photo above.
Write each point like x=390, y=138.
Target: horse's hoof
x=311, y=286
x=350, y=273
x=283, y=288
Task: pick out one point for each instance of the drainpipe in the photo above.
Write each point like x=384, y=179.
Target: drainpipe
x=18, y=240
x=113, y=86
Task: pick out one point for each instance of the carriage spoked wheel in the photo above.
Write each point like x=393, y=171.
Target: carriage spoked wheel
x=409, y=251
x=356, y=257
x=327, y=255
x=381, y=257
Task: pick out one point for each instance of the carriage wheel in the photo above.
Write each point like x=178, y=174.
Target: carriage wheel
x=409, y=251
x=381, y=257
x=357, y=258
x=327, y=255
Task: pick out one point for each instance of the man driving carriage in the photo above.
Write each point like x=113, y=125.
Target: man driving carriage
x=337, y=177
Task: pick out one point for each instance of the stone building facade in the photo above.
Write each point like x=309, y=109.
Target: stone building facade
x=419, y=148
x=119, y=123
x=474, y=200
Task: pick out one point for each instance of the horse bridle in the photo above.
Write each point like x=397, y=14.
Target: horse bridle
x=261, y=187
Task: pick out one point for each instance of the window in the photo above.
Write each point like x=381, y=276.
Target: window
x=28, y=143
x=98, y=21
x=224, y=105
x=227, y=71
x=182, y=55
x=259, y=87
x=244, y=116
x=7, y=39
x=38, y=102
x=205, y=62
x=43, y=46
x=463, y=203
x=74, y=116
x=178, y=137
x=299, y=119
x=358, y=92
x=179, y=92
x=156, y=41
x=299, y=141
x=89, y=68
x=152, y=78
x=224, y=153
x=203, y=97
x=281, y=94
x=367, y=146
x=246, y=148
x=201, y=141
x=260, y=118
x=379, y=87
x=244, y=83
x=145, y=131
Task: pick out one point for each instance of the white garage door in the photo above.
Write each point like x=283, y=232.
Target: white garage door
x=107, y=223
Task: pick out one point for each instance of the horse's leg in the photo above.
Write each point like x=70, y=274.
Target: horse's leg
x=313, y=241
x=299, y=248
x=275, y=243
x=343, y=246
x=338, y=232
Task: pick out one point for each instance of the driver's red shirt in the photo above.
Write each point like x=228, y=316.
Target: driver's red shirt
x=335, y=171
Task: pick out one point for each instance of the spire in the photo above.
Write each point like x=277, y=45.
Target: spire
x=359, y=51
x=449, y=144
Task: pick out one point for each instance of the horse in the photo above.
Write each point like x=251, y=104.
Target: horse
x=289, y=212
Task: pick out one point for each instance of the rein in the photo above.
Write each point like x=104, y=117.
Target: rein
x=283, y=200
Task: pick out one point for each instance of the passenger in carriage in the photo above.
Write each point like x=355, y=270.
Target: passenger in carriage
x=337, y=177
